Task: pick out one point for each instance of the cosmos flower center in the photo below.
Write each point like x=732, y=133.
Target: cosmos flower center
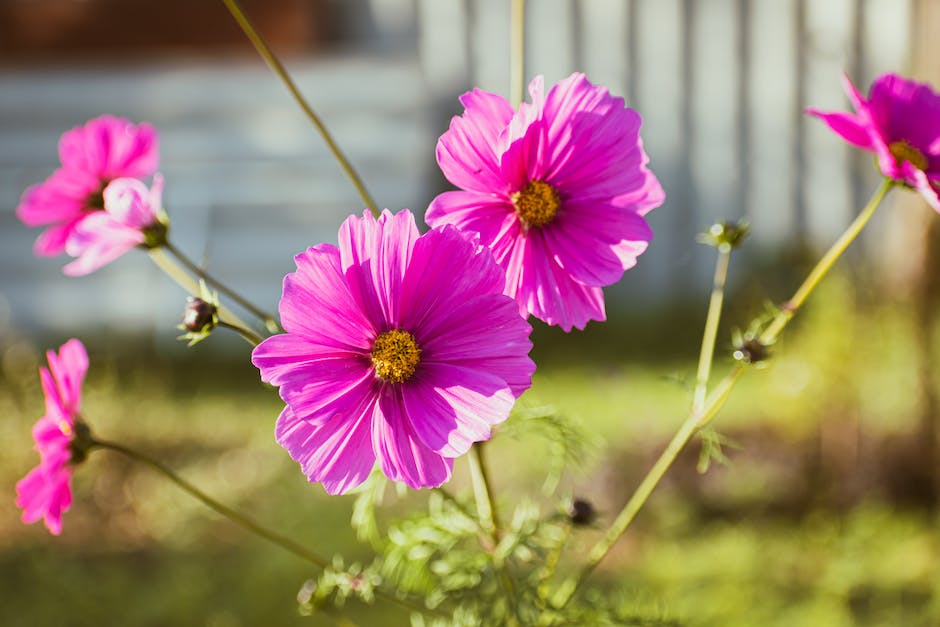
x=536, y=204
x=903, y=151
x=395, y=355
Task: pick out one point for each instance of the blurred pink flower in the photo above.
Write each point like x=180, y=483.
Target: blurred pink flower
x=557, y=190
x=92, y=155
x=131, y=218
x=399, y=347
x=46, y=491
x=900, y=124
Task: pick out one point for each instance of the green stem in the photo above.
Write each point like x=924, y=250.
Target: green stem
x=269, y=322
x=486, y=508
x=188, y=283
x=517, y=53
x=697, y=419
x=706, y=355
x=247, y=334
x=243, y=521
x=789, y=309
x=262, y=47
x=228, y=512
x=646, y=487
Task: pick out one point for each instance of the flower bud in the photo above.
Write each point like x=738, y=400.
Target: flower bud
x=200, y=317
x=751, y=351
x=725, y=236
x=581, y=512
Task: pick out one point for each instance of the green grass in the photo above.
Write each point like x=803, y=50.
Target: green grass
x=802, y=528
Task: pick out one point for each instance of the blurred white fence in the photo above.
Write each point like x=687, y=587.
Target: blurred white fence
x=721, y=85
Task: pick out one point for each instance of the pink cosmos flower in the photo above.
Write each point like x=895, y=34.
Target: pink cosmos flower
x=900, y=124
x=46, y=491
x=399, y=347
x=92, y=155
x=131, y=218
x=557, y=190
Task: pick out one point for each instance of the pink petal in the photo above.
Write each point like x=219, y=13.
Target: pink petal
x=128, y=201
x=315, y=385
x=111, y=147
x=400, y=452
x=482, y=213
x=451, y=407
x=337, y=453
x=444, y=257
x=926, y=189
x=466, y=152
x=847, y=126
x=98, y=240
x=525, y=159
x=487, y=334
x=374, y=256
x=316, y=303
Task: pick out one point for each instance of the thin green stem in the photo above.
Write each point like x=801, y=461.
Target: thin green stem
x=228, y=512
x=517, y=53
x=247, y=334
x=173, y=270
x=275, y=64
x=243, y=521
x=269, y=322
x=789, y=309
x=486, y=507
x=698, y=419
x=706, y=355
x=646, y=487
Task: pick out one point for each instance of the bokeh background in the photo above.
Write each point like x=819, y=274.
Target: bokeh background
x=826, y=513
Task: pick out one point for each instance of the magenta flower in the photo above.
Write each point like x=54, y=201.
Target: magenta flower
x=557, y=190
x=900, y=124
x=104, y=149
x=46, y=491
x=399, y=347
x=132, y=217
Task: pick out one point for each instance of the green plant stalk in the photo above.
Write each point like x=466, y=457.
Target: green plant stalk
x=269, y=322
x=710, y=334
x=228, y=512
x=714, y=403
x=275, y=64
x=189, y=284
x=789, y=308
x=517, y=53
x=243, y=521
x=486, y=510
x=247, y=334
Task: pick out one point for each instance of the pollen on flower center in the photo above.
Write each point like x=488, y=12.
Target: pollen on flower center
x=903, y=151
x=536, y=204
x=395, y=356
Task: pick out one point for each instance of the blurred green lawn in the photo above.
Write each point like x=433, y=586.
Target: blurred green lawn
x=809, y=524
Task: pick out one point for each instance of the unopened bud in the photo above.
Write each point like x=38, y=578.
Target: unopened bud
x=725, y=236
x=751, y=351
x=198, y=314
x=200, y=317
x=581, y=512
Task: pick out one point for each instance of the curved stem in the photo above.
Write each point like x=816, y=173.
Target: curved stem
x=706, y=355
x=243, y=521
x=697, y=419
x=188, y=283
x=517, y=53
x=789, y=309
x=646, y=487
x=262, y=47
x=249, y=336
x=269, y=322
x=486, y=507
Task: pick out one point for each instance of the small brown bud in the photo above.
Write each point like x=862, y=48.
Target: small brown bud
x=581, y=512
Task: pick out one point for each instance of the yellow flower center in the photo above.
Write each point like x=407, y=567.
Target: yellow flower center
x=395, y=356
x=903, y=151
x=536, y=204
